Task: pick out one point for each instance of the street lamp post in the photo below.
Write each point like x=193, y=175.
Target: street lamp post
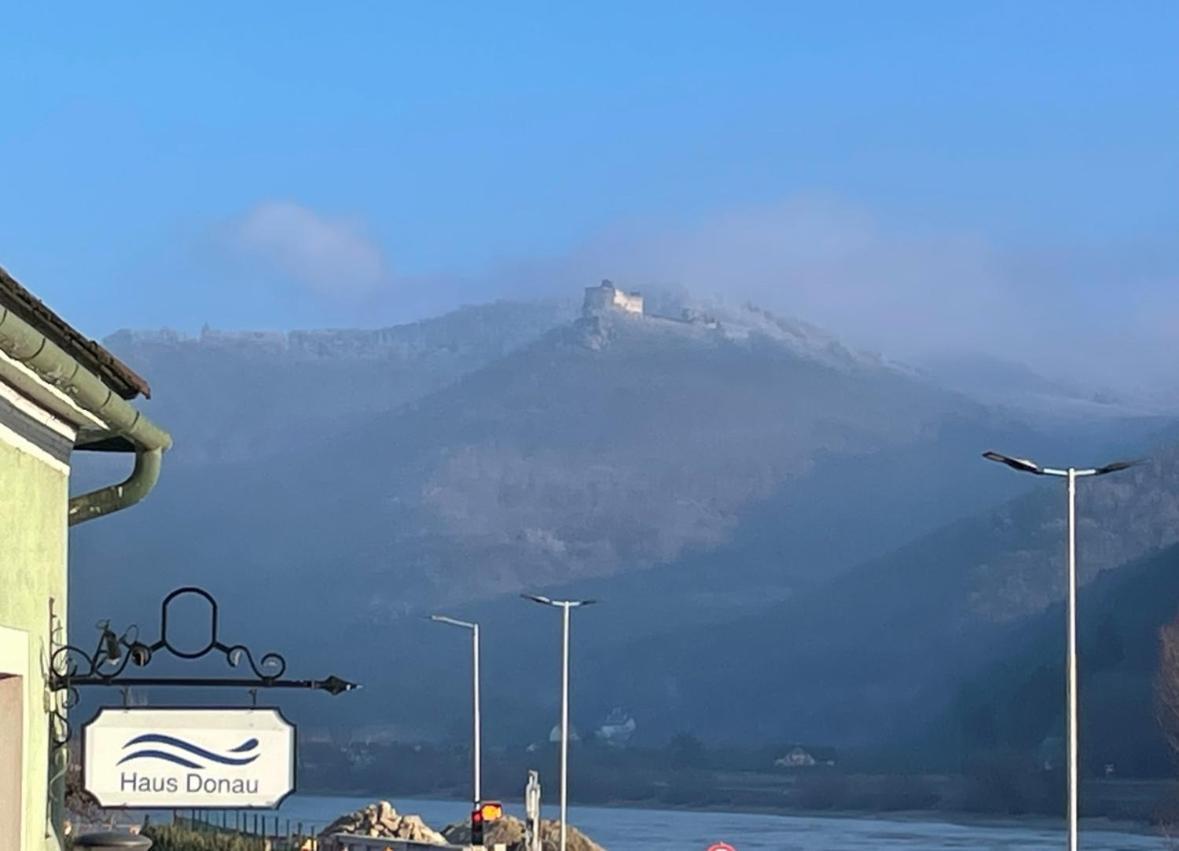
x=1070, y=474
x=565, y=606
x=476, y=750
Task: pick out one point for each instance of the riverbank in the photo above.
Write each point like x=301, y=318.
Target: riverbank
x=655, y=827
x=954, y=799
x=959, y=819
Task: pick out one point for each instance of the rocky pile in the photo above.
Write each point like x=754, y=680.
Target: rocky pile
x=381, y=819
x=510, y=832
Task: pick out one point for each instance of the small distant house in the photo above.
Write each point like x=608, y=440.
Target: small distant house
x=802, y=757
x=606, y=297
x=555, y=734
x=60, y=393
x=617, y=729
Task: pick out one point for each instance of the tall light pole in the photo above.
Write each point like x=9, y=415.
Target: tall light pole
x=476, y=750
x=565, y=606
x=1070, y=474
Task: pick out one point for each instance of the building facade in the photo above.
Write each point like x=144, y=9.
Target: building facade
x=59, y=393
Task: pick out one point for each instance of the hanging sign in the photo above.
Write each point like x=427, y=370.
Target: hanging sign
x=210, y=758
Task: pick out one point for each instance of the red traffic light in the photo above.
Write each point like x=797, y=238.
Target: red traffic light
x=483, y=813
x=490, y=811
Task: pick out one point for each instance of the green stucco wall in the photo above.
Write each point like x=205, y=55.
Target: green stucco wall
x=33, y=504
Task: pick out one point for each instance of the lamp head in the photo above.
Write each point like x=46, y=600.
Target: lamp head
x=1024, y=465
x=1116, y=466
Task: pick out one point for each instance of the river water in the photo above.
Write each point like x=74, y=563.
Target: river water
x=621, y=829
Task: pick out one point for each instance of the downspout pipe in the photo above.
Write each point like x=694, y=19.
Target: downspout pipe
x=114, y=498
x=25, y=344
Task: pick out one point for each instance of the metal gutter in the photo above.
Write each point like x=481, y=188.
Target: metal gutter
x=26, y=345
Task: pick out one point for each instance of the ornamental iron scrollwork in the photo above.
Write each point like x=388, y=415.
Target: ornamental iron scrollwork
x=72, y=667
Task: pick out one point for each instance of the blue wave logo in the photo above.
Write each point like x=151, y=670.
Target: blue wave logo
x=189, y=753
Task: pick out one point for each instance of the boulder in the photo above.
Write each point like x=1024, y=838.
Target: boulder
x=509, y=831
x=382, y=819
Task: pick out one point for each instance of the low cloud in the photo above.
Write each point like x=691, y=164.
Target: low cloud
x=892, y=289
x=328, y=256
x=830, y=263
x=1100, y=312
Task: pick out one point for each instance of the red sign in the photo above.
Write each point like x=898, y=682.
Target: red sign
x=721, y=846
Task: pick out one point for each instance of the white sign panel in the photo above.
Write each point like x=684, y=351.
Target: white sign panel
x=232, y=758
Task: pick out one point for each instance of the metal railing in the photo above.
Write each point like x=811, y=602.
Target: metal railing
x=287, y=834
x=282, y=834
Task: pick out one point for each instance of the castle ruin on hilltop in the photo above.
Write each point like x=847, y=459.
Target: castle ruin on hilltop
x=606, y=297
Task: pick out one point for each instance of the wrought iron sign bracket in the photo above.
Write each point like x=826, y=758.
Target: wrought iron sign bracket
x=71, y=667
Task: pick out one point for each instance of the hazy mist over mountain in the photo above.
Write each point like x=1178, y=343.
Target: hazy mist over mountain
x=737, y=481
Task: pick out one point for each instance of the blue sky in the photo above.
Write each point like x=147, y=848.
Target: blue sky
x=273, y=165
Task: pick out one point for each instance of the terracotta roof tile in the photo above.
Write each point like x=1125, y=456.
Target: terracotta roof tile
x=113, y=372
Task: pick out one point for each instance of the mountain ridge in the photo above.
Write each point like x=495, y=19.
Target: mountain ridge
x=717, y=473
